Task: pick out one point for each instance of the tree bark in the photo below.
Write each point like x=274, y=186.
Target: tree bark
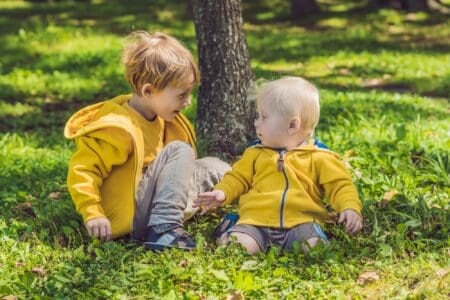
x=301, y=8
x=225, y=110
x=382, y=3
x=414, y=5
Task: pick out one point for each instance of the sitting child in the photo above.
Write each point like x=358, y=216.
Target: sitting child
x=135, y=168
x=281, y=181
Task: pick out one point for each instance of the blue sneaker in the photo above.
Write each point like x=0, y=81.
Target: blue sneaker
x=227, y=222
x=172, y=238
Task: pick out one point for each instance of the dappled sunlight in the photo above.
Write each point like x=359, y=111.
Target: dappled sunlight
x=384, y=80
x=333, y=23
x=15, y=109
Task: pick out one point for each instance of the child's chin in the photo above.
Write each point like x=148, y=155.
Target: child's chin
x=169, y=118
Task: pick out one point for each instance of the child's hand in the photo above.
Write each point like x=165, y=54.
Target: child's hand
x=353, y=221
x=209, y=200
x=99, y=228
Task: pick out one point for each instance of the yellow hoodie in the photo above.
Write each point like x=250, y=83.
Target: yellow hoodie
x=105, y=169
x=283, y=189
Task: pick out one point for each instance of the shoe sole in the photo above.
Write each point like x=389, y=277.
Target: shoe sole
x=161, y=247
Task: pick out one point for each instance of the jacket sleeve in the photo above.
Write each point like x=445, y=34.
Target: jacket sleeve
x=337, y=183
x=96, y=155
x=239, y=179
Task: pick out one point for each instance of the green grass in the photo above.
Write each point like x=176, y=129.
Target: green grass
x=384, y=82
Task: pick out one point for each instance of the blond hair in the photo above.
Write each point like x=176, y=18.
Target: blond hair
x=294, y=97
x=157, y=59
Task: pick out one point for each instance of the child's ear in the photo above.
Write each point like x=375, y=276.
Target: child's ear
x=294, y=126
x=146, y=89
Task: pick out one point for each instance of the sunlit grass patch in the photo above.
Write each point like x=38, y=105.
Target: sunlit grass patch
x=383, y=81
x=14, y=109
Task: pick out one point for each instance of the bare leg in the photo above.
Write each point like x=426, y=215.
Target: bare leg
x=244, y=239
x=311, y=243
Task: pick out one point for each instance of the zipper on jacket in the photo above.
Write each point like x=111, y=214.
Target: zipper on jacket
x=283, y=197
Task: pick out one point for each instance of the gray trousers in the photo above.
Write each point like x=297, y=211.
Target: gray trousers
x=170, y=184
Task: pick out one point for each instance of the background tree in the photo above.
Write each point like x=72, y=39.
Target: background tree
x=301, y=8
x=225, y=112
x=407, y=5
x=414, y=5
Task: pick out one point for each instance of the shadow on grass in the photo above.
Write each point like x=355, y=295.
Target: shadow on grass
x=268, y=44
x=297, y=47
x=112, y=16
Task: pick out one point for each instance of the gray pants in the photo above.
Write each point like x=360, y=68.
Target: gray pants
x=170, y=184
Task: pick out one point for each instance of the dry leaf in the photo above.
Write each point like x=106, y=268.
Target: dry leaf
x=39, y=271
x=25, y=206
x=349, y=153
x=357, y=173
x=19, y=264
x=183, y=263
x=388, y=196
x=367, y=277
x=441, y=272
x=344, y=71
x=235, y=295
x=373, y=82
x=54, y=195
x=10, y=297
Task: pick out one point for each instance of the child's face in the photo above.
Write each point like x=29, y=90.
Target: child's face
x=169, y=101
x=271, y=127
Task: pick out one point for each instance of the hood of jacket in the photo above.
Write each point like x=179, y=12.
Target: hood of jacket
x=99, y=115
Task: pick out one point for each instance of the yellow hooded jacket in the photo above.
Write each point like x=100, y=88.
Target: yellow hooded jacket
x=282, y=189
x=105, y=169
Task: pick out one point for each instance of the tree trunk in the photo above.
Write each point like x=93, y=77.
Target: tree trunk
x=225, y=111
x=382, y=3
x=301, y=8
x=414, y=5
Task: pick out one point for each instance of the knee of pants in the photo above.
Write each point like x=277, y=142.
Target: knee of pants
x=214, y=165
x=182, y=148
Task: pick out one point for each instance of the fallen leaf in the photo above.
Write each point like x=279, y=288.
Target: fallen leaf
x=388, y=196
x=19, y=264
x=344, y=71
x=24, y=236
x=39, y=271
x=220, y=275
x=349, y=153
x=373, y=82
x=183, y=263
x=235, y=295
x=10, y=297
x=54, y=195
x=367, y=277
x=26, y=207
x=411, y=17
x=441, y=272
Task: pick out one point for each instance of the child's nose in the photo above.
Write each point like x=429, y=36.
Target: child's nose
x=187, y=102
